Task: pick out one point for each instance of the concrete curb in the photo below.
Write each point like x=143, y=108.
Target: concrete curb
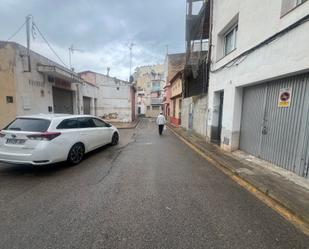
x=263, y=194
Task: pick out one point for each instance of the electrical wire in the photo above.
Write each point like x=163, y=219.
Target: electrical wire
x=18, y=30
x=48, y=44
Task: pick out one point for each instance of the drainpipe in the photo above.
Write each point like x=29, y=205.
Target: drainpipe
x=211, y=3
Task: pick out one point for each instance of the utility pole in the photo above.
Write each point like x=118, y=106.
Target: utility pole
x=28, y=23
x=131, y=47
x=71, y=51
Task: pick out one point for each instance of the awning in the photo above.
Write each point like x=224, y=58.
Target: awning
x=60, y=72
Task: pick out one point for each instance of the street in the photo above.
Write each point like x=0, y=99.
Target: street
x=147, y=192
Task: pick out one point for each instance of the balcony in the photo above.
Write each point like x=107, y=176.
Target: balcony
x=156, y=101
x=156, y=88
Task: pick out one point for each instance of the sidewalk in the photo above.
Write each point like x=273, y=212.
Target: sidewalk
x=121, y=125
x=284, y=188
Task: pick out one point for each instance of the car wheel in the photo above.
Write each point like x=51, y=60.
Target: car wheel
x=115, y=139
x=76, y=154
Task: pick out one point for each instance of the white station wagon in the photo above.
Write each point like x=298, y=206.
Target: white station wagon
x=49, y=138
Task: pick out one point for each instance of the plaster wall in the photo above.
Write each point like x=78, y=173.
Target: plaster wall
x=286, y=55
x=90, y=91
x=7, y=85
x=114, y=99
x=197, y=107
x=176, y=87
x=33, y=91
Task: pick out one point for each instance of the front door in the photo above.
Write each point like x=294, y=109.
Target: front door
x=86, y=104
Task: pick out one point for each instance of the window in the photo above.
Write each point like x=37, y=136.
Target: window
x=230, y=39
x=68, y=124
x=9, y=99
x=199, y=45
x=156, y=84
x=148, y=108
x=50, y=78
x=29, y=124
x=86, y=123
x=99, y=123
x=288, y=5
x=155, y=108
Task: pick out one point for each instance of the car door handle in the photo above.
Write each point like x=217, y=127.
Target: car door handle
x=82, y=134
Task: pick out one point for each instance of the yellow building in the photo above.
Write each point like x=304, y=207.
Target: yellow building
x=7, y=86
x=176, y=98
x=149, y=81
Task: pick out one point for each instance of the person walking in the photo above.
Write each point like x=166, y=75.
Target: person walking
x=161, y=121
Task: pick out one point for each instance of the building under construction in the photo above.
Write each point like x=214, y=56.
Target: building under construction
x=197, y=40
x=196, y=71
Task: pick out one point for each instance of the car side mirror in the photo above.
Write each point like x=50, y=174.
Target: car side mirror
x=108, y=125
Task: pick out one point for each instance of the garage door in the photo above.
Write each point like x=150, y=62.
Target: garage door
x=275, y=122
x=63, y=101
x=86, y=102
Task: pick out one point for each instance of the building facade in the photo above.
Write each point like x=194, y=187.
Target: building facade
x=259, y=80
x=116, y=98
x=149, y=81
x=173, y=64
x=176, y=98
x=34, y=84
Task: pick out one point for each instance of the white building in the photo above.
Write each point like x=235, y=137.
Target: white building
x=259, y=80
x=149, y=81
x=116, y=98
x=41, y=86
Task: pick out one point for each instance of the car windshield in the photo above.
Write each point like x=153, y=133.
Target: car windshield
x=29, y=124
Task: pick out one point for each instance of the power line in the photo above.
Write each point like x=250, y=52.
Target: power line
x=48, y=44
x=18, y=30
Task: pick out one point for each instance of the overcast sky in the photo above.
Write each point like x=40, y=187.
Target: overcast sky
x=103, y=29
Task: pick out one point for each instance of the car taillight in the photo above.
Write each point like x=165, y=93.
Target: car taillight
x=46, y=136
x=2, y=134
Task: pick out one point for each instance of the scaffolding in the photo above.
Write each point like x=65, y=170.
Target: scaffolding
x=197, y=47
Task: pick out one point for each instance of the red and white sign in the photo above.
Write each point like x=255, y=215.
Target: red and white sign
x=285, y=96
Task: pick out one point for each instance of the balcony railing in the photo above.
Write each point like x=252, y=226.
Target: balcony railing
x=156, y=88
x=156, y=101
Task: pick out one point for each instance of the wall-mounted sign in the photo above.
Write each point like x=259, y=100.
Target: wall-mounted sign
x=62, y=84
x=285, y=96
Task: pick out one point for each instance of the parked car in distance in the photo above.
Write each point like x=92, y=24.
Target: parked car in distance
x=50, y=138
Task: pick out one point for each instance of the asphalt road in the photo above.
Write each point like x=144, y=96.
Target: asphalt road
x=147, y=192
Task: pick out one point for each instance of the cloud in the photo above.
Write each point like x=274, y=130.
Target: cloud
x=102, y=28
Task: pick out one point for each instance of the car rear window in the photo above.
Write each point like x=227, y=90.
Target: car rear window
x=29, y=124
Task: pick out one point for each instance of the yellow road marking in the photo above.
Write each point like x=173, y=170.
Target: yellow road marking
x=275, y=205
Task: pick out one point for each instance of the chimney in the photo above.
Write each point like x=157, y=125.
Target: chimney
x=108, y=69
